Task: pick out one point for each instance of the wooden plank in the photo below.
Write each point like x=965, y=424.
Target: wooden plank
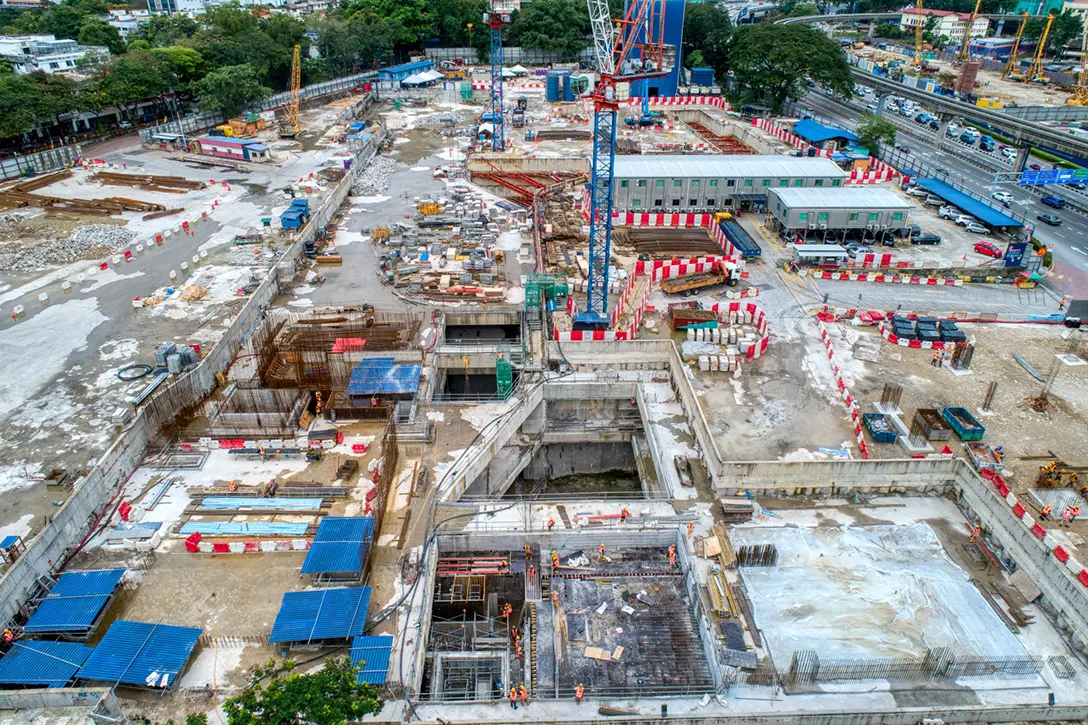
x=711, y=547
x=617, y=654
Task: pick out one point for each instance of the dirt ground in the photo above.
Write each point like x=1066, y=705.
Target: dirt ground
x=1020, y=432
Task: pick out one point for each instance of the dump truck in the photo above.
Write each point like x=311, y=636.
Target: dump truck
x=739, y=237
x=722, y=272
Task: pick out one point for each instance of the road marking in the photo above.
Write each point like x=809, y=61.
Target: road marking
x=1078, y=250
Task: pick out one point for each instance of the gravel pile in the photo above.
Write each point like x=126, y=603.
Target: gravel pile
x=91, y=241
x=375, y=176
x=244, y=255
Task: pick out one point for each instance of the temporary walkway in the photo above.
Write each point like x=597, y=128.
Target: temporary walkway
x=371, y=655
x=141, y=654
x=322, y=615
x=34, y=663
x=985, y=213
x=76, y=602
x=340, y=548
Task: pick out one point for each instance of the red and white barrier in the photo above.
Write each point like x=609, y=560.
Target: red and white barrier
x=714, y=101
x=896, y=340
x=848, y=399
x=1079, y=572
x=780, y=133
x=251, y=547
x=748, y=313
x=889, y=279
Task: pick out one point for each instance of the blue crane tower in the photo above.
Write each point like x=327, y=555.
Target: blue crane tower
x=633, y=50
x=496, y=16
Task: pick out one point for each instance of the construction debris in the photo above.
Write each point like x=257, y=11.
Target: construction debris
x=90, y=241
x=375, y=176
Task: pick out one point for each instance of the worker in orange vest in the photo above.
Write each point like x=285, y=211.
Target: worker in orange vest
x=513, y=698
x=528, y=551
x=975, y=535
x=1045, y=514
x=600, y=553
x=551, y=524
x=691, y=528
x=623, y=515
x=555, y=561
x=532, y=572
x=579, y=693
x=524, y=694
x=555, y=598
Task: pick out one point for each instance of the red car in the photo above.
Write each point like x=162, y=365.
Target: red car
x=989, y=249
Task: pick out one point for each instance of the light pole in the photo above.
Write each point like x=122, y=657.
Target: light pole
x=469, y=26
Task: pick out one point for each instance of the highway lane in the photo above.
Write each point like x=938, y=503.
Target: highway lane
x=1068, y=243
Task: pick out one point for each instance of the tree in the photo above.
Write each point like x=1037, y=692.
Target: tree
x=695, y=59
x=230, y=89
x=1066, y=28
x=278, y=696
x=800, y=10
x=872, y=130
x=889, y=30
x=707, y=29
x=196, y=718
x=771, y=63
x=131, y=78
x=17, y=96
x=414, y=16
x=362, y=41
x=182, y=65
x=96, y=31
x=557, y=25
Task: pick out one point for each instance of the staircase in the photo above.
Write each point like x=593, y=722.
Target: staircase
x=532, y=585
x=532, y=642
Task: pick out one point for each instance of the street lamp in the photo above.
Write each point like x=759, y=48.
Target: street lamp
x=469, y=25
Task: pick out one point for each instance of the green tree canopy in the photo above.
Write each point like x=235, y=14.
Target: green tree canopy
x=330, y=696
x=131, y=78
x=230, y=89
x=558, y=25
x=95, y=31
x=17, y=96
x=708, y=30
x=1066, y=28
x=415, y=18
x=872, y=130
x=358, y=42
x=772, y=62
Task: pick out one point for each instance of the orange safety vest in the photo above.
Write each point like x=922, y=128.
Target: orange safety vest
x=579, y=692
x=524, y=694
x=513, y=695
x=1046, y=510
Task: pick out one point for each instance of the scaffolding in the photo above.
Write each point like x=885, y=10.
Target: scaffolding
x=504, y=373
x=465, y=676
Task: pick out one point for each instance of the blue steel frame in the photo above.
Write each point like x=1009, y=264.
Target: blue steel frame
x=498, y=138
x=600, y=221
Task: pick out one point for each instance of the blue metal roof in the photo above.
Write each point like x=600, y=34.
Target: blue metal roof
x=396, y=72
x=340, y=546
x=40, y=663
x=321, y=614
x=815, y=133
x=141, y=654
x=379, y=376
x=983, y=212
x=371, y=655
x=75, y=601
x=8, y=542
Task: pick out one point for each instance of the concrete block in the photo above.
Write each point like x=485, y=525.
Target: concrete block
x=43, y=298
x=185, y=268
x=66, y=286
x=173, y=275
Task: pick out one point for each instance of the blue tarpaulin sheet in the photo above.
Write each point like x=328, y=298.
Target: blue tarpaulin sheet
x=983, y=212
x=141, y=654
x=371, y=655
x=321, y=614
x=75, y=601
x=39, y=663
x=813, y=132
x=231, y=503
x=379, y=376
x=244, y=528
x=340, y=546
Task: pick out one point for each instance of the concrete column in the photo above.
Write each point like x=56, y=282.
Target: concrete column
x=1021, y=160
x=880, y=100
x=1000, y=27
x=872, y=29
x=942, y=132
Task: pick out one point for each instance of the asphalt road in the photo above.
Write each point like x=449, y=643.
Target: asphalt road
x=1068, y=242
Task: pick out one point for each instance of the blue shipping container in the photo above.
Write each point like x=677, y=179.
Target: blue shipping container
x=702, y=76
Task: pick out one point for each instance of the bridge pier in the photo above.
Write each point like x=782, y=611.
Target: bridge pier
x=1021, y=160
x=942, y=132
x=881, y=99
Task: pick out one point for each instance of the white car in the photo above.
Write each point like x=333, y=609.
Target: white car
x=964, y=219
x=1003, y=196
x=917, y=191
x=948, y=212
x=953, y=127
x=1008, y=152
x=976, y=228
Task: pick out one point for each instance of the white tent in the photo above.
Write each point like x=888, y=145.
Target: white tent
x=507, y=73
x=416, y=79
x=432, y=75
x=520, y=70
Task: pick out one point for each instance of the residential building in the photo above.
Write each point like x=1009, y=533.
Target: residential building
x=679, y=183
x=29, y=53
x=128, y=21
x=950, y=24
x=22, y=4
x=197, y=7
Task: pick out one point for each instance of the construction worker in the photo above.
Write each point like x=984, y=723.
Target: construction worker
x=551, y=524
x=623, y=515
x=579, y=693
x=523, y=693
x=373, y=401
x=1067, y=516
x=532, y=572
x=507, y=610
x=691, y=528
x=1073, y=478
x=1045, y=513
x=517, y=653
x=933, y=362
x=1075, y=513
x=600, y=553
x=555, y=598
x=513, y=698
x=528, y=551
x=975, y=535
x=555, y=561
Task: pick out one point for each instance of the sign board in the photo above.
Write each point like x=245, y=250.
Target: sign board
x=1043, y=177
x=1014, y=254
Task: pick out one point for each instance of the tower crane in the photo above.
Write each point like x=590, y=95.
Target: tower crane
x=965, y=50
x=289, y=126
x=1037, y=62
x=919, y=21
x=632, y=50
x=1013, y=60
x=495, y=17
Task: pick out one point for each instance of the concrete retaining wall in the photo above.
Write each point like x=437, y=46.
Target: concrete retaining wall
x=564, y=459
x=487, y=164
x=829, y=478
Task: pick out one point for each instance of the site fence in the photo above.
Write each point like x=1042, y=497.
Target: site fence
x=511, y=55
x=14, y=167
x=99, y=493
x=807, y=668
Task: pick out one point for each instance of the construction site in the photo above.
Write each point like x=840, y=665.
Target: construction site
x=402, y=382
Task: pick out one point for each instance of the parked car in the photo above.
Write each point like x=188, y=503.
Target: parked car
x=964, y=219
x=1055, y=201
x=917, y=191
x=1052, y=219
x=976, y=228
x=989, y=249
x=1003, y=196
x=986, y=143
x=927, y=238
x=854, y=249
x=933, y=201
x=968, y=138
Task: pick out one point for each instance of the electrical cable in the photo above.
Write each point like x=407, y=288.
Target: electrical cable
x=140, y=370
